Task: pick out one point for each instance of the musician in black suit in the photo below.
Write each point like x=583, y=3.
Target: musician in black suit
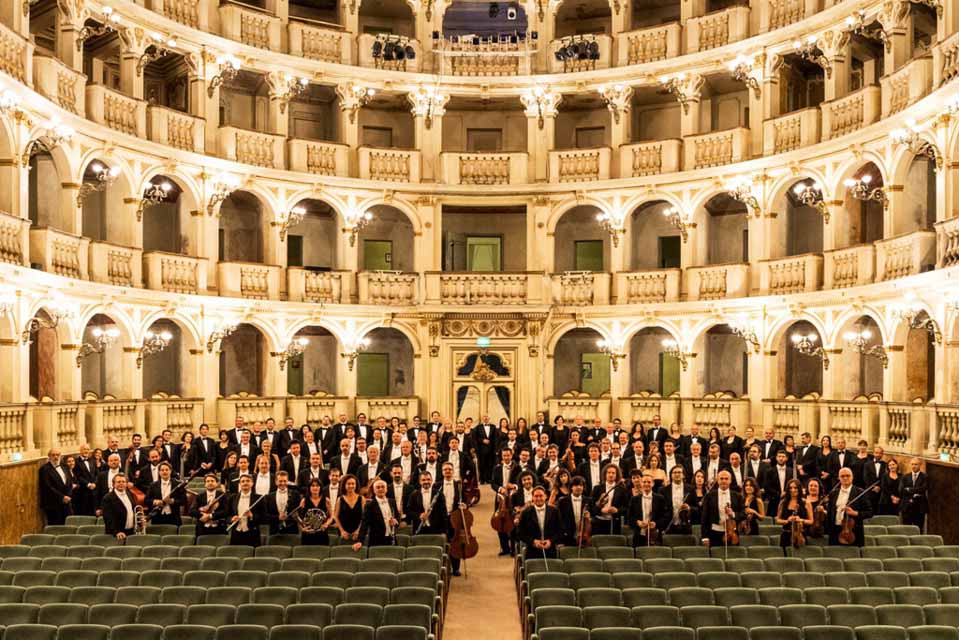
x=540, y=528
x=839, y=458
x=686, y=442
x=769, y=445
x=656, y=433
x=591, y=470
x=462, y=462
x=378, y=526
x=676, y=493
x=807, y=455
x=328, y=436
x=55, y=496
x=105, y=479
x=164, y=500
x=210, y=521
x=281, y=504
x=85, y=474
x=203, y=451
x=756, y=467
x=312, y=471
x=272, y=435
x=572, y=509
x=648, y=514
x=610, y=501
x=119, y=515
x=426, y=508
x=148, y=473
x=913, y=488
x=719, y=505
x=483, y=436
x=246, y=446
x=731, y=443
x=245, y=512
x=348, y=463
x=373, y=469
x=285, y=437
x=774, y=484
x=873, y=471
x=845, y=502
x=399, y=492
x=695, y=460
x=293, y=462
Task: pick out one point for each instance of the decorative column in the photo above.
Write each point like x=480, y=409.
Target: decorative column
x=352, y=96
x=541, y=18
x=771, y=98
x=691, y=9
x=350, y=19
x=618, y=98
x=835, y=61
x=539, y=241
x=70, y=19
x=749, y=70
x=687, y=89
x=621, y=14
x=428, y=107
x=133, y=44
x=430, y=213
x=282, y=89
x=541, y=109
x=896, y=21
x=205, y=83
x=132, y=374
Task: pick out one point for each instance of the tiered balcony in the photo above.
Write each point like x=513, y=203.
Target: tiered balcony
x=570, y=66
x=791, y=416
x=14, y=239
x=906, y=86
x=174, y=272
x=485, y=288
x=849, y=267
x=718, y=411
x=650, y=158
x=252, y=147
x=776, y=14
x=717, y=281
x=579, y=165
x=904, y=427
x=320, y=158
x=61, y=253
x=717, y=148
x=851, y=113
x=578, y=288
x=364, y=48
x=171, y=412
x=791, y=131
x=117, y=111
x=649, y=45
x=857, y=420
x=250, y=25
x=16, y=432
x=319, y=41
x=312, y=408
x=643, y=406
x=14, y=54
x=305, y=285
x=905, y=255
x=175, y=129
x=791, y=275
x=60, y=84
x=113, y=418
x=717, y=29
x=116, y=265
x=947, y=242
x=388, y=288
x=389, y=165
x=574, y=403
x=483, y=168
x=639, y=287
x=249, y=280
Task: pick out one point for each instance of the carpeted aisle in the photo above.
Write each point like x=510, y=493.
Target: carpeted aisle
x=482, y=604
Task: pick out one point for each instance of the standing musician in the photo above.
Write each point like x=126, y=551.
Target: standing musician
x=314, y=507
x=399, y=492
x=426, y=509
x=592, y=469
x=648, y=515
x=165, y=498
x=840, y=509
x=210, y=521
x=610, y=501
x=280, y=504
x=245, y=512
x=105, y=479
x=453, y=499
x=378, y=528
x=572, y=509
x=539, y=527
x=313, y=472
x=793, y=508
x=54, y=489
x=372, y=469
x=912, y=489
x=119, y=518
x=676, y=494
x=719, y=505
x=501, y=483
x=462, y=463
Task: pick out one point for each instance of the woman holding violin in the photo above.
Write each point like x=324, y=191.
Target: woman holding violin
x=794, y=514
x=754, y=508
x=817, y=504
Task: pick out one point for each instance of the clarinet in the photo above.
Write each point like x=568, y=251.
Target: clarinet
x=429, y=512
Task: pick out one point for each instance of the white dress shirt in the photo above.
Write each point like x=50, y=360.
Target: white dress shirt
x=594, y=471
x=678, y=496
x=384, y=505
x=282, y=498
x=723, y=502
x=125, y=499
x=577, y=504
x=541, y=518
x=165, y=488
x=262, y=484
x=407, y=463
x=398, y=497
x=449, y=492
x=842, y=499
x=242, y=506
x=647, y=507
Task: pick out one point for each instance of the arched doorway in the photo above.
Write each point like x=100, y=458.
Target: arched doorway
x=314, y=371
x=654, y=243
x=101, y=359
x=244, y=355
x=241, y=228
x=579, y=243
x=579, y=364
x=800, y=368
x=650, y=369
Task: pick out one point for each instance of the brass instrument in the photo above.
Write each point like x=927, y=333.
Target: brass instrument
x=312, y=519
x=140, y=520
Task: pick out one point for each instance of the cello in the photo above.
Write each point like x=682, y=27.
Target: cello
x=464, y=544
x=471, y=490
x=502, y=518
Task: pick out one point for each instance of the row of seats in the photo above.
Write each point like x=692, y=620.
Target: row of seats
x=825, y=632
x=217, y=540
x=281, y=552
x=737, y=565
x=808, y=551
x=432, y=557
x=205, y=632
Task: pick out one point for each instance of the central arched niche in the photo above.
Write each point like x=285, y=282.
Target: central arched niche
x=650, y=370
x=654, y=243
x=578, y=364
x=241, y=230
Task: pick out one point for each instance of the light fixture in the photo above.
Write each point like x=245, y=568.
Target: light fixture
x=158, y=48
x=353, y=348
x=294, y=87
x=10, y=103
x=860, y=189
x=682, y=220
x=917, y=318
x=356, y=223
x=578, y=49
x=809, y=193
x=540, y=102
x=229, y=68
x=427, y=102
x=387, y=47
x=741, y=327
x=856, y=23
x=741, y=190
x=859, y=341
x=102, y=338
x=428, y=10
x=616, y=97
x=153, y=343
x=543, y=5
x=613, y=225
x=615, y=355
x=294, y=349
x=103, y=177
x=56, y=311
x=109, y=23
x=805, y=343
x=56, y=134
x=224, y=329
x=224, y=185
x=742, y=68
x=917, y=145
x=671, y=349
x=682, y=87
x=353, y=96
x=483, y=344
x=809, y=50
x=155, y=193
x=289, y=219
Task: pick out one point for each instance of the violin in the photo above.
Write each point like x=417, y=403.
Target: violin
x=796, y=537
x=585, y=530
x=464, y=544
x=502, y=519
x=731, y=535
x=746, y=525
x=819, y=519
x=569, y=458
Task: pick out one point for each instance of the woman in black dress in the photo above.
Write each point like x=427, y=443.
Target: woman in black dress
x=228, y=470
x=577, y=446
x=816, y=500
x=695, y=500
x=753, y=506
x=889, y=494
x=312, y=506
x=793, y=507
x=822, y=463
x=560, y=486
x=349, y=509
x=559, y=434
x=222, y=450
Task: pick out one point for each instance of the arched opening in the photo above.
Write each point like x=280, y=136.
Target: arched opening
x=244, y=355
x=316, y=10
x=166, y=217
x=861, y=361
x=725, y=362
x=165, y=371
x=722, y=236
x=386, y=16
x=585, y=17
x=102, y=194
x=650, y=369
x=579, y=365
x=385, y=368
x=44, y=18
x=101, y=359
x=241, y=228
x=388, y=242
x=312, y=243
x=800, y=372
x=803, y=224
x=920, y=360
x=243, y=101
x=46, y=195
x=387, y=122
x=579, y=242
x=101, y=55
x=864, y=222
x=315, y=370
x=44, y=356
x=917, y=210
x=654, y=243
x=166, y=83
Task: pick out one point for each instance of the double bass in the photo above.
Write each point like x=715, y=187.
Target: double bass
x=471, y=490
x=502, y=518
x=463, y=545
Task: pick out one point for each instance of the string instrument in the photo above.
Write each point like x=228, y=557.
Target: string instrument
x=818, y=527
x=796, y=537
x=138, y=496
x=731, y=535
x=585, y=533
x=502, y=519
x=746, y=525
x=470, y=487
x=569, y=459
x=847, y=534
x=603, y=499
x=177, y=487
x=464, y=544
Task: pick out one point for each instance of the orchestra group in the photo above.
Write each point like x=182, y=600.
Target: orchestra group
x=554, y=483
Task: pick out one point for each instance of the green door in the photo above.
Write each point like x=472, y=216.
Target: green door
x=594, y=374
x=670, y=252
x=377, y=255
x=294, y=376
x=589, y=255
x=373, y=375
x=668, y=375
x=484, y=253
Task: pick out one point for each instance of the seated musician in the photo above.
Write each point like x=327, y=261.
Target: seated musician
x=719, y=505
x=118, y=506
x=572, y=509
x=210, y=519
x=539, y=527
x=165, y=500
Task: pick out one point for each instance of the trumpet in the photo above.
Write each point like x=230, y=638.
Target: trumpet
x=140, y=520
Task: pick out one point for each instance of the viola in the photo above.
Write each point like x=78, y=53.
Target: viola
x=731, y=535
x=819, y=519
x=464, y=544
x=796, y=537
x=502, y=519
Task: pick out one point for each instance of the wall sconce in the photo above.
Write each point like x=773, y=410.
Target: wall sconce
x=289, y=219
x=10, y=105
x=294, y=349
x=540, y=103
x=860, y=190
x=681, y=220
x=671, y=349
x=859, y=341
x=809, y=194
x=110, y=23
x=357, y=224
x=155, y=50
x=225, y=328
x=613, y=226
x=806, y=345
x=56, y=312
x=680, y=87
x=294, y=87
x=354, y=347
x=354, y=96
x=483, y=344
x=153, y=343
x=229, y=68
x=615, y=355
x=103, y=177
x=741, y=190
x=56, y=134
x=428, y=10
x=913, y=315
x=856, y=23
x=810, y=51
x=741, y=327
x=154, y=194
x=917, y=145
x=102, y=338
x=427, y=102
x=742, y=68
x=616, y=97
x=224, y=185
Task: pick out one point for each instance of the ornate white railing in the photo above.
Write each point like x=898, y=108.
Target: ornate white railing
x=579, y=165
x=316, y=42
x=947, y=242
x=484, y=168
x=107, y=419
x=717, y=281
x=252, y=147
x=717, y=148
x=650, y=158
x=14, y=239
x=252, y=26
x=718, y=412
x=390, y=165
x=905, y=255
x=649, y=45
x=576, y=288
x=115, y=264
x=174, y=272
x=790, y=416
x=637, y=287
x=249, y=280
x=791, y=275
x=320, y=158
x=851, y=113
x=851, y=420
x=174, y=413
x=60, y=84
x=176, y=129
x=484, y=288
x=304, y=285
x=791, y=131
x=61, y=253
x=14, y=54
x=717, y=28
x=117, y=111
x=390, y=288
x=849, y=267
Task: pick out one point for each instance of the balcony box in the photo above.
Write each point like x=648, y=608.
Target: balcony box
x=579, y=288
x=716, y=148
x=905, y=255
x=650, y=158
x=794, y=274
x=483, y=168
x=717, y=29
x=117, y=111
x=176, y=129
x=60, y=84
x=320, y=158
x=364, y=48
x=503, y=288
x=649, y=45
x=851, y=113
x=579, y=165
x=389, y=165
x=252, y=147
x=791, y=131
x=945, y=56
x=605, y=54
x=849, y=267
x=717, y=281
x=639, y=287
x=61, y=253
x=306, y=285
x=115, y=264
x=318, y=41
x=251, y=26
x=174, y=272
x=249, y=280
x=906, y=86
x=388, y=288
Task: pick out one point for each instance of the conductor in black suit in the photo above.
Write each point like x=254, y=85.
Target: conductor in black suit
x=913, y=489
x=540, y=528
x=54, y=489
x=845, y=503
x=379, y=523
x=119, y=518
x=719, y=505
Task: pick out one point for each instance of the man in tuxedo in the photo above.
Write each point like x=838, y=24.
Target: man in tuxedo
x=392, y=449
x=431, y=464
x=540, y=528
x=687, y=442
x=113, y=446
x=719, y=505
x=839, y=458
x=246, y=446
x=340, y=427
x=610, y=501
x=346, y=462
x=675, y=494
x=461, y=462
x=54, y=489
x=406, y=461
x=119, y=519
x=775, y=483
x=210, y=520
x=239, y=425
x=648, y=515
x=846, y=502
x=591, y=470
x=286, y=437
x=596, y=432
x=245, y=512
x=914, y=487
x=737, y=471
x=327, y=437
x=163, y=500
x=769, y=445
x=398, y=491
x=670, y=456
x=204, y=449
x=270, y=433
x=373, y=469
x=293, y=462
x=572, y=509
x=362, y=428
x=484, y=441
x=171, y=449
x=149, y=473
x=756, y=467
x=694, y=461
x=105, y=479
x=656, y=433
x=84, y=498
x=433, y=426
x=501, y=481
x=426, y=508
x=714, y=463
x=313, y=471
x=280, y=504
x=871, y=471
x=807, y=456
x=378, y=527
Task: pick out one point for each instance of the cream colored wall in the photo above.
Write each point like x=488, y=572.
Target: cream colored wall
x=568, y=121
x=401, y=122
x=390, y=224
x=656, y=122
x=512, y=124
x=648, y=226
x=511, y=226
x=578, y=223
x=644, y=350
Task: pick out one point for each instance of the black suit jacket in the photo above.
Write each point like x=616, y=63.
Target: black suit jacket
x=363, y=473
x=688, y=465
x=438, y=518
x=172, y=453
x=146, y=478
x=286, y=464
x=496, y=481
x=374, y=531
x=258, y=511
x=530, y=530
x=219, y=510
x=273, y=512
x=567, y=518
x=661, y=515
x=710, y=510
x=466, y=464
x=52, y=488
x=807, y=461
x=654, y=434
x=156, y=493
x=115, y=513
x=869, y=475
x=201, y=456
x=771, y=491
x=352, y=464
x=862, y=505
x=103, y=487
x=833, y=465
x=328, y=440
x=619, y=498
x=686, y=443
x=914, y=494
x=583, y=470
x=760, y=475
x=307, y=475
x=767, y=451
x=254, y=451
